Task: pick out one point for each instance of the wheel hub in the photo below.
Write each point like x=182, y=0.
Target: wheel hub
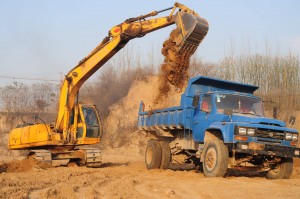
x=211, y=158
x=149, y=155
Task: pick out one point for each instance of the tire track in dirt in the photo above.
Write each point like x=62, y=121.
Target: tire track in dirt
x=119, y=179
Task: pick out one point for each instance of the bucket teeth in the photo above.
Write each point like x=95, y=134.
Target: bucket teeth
x=193, y=29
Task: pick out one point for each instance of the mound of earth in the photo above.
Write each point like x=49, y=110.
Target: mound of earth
x=23, y=165
x=120, y=127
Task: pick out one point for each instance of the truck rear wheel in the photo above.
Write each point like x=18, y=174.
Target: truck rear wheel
x=153, y=155
x=165, y=155
x=215, y=159
x=283, y=170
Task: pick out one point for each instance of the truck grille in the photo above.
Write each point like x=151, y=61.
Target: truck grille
x=270, y=134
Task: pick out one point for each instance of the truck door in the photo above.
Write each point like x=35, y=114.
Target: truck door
x=203, y=117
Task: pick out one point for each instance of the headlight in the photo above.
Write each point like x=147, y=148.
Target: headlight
x=251, y=132
x=288, y=136
x=295, y=137
x=242, y=131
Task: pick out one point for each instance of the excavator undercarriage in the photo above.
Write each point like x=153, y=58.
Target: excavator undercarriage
x=82, y=156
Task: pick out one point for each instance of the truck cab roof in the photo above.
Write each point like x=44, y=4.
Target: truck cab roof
x=202, y=84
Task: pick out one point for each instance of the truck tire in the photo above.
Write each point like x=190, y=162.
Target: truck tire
x=283, y=170
x=153, y=155
x=165, y=155
x=215, y=159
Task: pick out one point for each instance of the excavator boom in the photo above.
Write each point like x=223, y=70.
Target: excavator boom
x=191, y=31
x=78, y=124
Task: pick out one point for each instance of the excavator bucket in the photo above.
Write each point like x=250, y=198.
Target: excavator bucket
x=192, y=30
x=181, y=45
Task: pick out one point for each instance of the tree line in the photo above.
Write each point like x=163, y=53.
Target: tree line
x=278, y=77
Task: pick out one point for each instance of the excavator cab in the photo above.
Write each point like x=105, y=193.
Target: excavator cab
x=85, y=125
x=92, y=123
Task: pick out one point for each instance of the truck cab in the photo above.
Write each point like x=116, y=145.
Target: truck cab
x=244, y=114
x=219, y=125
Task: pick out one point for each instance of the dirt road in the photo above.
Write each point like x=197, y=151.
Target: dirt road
x=124, y=176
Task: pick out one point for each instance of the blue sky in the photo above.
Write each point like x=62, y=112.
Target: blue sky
x=45, y=39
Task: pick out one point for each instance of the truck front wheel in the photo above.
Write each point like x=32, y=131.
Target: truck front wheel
x=215, y=159
x=153, y=155
x=283, y=170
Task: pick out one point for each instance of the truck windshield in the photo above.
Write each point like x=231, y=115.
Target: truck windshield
x=239, y=104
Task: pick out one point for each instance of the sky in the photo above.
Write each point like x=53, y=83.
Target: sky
x=46, y=39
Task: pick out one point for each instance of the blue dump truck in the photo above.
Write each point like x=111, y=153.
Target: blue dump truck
x=219, y=125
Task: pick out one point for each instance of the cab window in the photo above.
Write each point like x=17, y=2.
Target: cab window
x=91, y=122
x=206, y=103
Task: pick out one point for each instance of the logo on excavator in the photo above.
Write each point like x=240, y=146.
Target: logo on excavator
x=116, y=30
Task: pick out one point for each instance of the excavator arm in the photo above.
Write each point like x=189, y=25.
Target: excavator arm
x=191, y=27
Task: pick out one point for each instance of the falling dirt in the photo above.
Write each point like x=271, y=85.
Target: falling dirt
x=174, y=70
x=182, y=43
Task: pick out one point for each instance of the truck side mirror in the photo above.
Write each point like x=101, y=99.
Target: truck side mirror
x=292, y=120
x=196, y=100
x=274, y=112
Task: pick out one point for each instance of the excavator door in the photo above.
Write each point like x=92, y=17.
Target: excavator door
x=91, y=121
x=88, y=126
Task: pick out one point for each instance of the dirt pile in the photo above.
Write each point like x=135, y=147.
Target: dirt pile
x=6, y=154
x=120, y=127
x=24, y=165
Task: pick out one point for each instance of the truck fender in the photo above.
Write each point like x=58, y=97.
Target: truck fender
x=216, y=130
x=210, y=134
x=225, y=129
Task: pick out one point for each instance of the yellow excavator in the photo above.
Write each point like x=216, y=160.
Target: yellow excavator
x=77, y=127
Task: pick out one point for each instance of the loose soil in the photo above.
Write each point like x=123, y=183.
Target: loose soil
x=178, y=48
x=123, y=175
x=23, y=165
x=174, y=70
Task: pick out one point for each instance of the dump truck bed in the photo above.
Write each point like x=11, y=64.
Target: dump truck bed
x=178, y=117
